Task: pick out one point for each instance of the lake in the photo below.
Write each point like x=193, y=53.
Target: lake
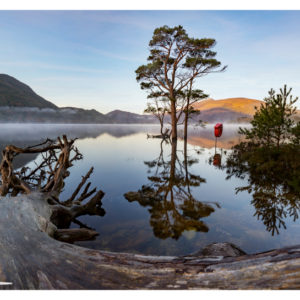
x=178, y=198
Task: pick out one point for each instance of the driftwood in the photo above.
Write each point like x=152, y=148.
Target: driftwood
x=165, y=135
x=48, y=178
x=31, y=258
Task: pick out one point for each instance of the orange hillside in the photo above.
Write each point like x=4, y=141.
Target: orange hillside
x=242, y=105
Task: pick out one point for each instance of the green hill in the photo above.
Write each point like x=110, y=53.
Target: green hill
x=14, y=93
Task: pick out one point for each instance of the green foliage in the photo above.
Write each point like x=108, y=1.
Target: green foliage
x=269, y=159
x=175, y=59
x=273, y=177
x=272, y=124
x=187, y=98
x=175, y=62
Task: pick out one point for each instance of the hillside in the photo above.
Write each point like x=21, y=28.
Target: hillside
x=14, y=93
x=119, y=116
x=221, y=114
x=230, y=110
x=20, y=104
x=239, y=105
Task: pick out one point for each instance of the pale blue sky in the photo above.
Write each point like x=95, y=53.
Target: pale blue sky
x=88, y=58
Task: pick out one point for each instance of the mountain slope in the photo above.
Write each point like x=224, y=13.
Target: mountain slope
x=240, y=105
x=20, y=104
x=221, y=114
x=119, y=116
x=14, y=93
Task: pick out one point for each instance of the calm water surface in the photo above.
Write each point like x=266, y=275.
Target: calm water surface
x=178, y=199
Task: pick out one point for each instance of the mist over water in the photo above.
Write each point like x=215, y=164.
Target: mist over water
x=28, y=132
x=24, y=132
x=125, y=161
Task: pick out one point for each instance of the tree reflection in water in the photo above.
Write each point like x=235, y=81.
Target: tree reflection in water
x=273, y=179
x=172, y=206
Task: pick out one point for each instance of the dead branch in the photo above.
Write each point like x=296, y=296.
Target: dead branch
x=81, y=184
x=48, y=178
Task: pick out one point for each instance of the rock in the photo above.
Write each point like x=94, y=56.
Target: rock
x=221, y=249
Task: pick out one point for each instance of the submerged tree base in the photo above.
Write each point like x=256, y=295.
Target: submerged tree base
x=31, y=259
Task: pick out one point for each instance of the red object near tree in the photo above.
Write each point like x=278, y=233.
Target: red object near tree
x=218, y=129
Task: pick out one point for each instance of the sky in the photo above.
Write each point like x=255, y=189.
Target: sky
x=88, y=59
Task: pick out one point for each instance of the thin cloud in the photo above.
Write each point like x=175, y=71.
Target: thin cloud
x=113, y=55
x=33, y=64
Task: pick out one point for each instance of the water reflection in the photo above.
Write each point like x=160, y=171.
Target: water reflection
x=118, y=154
x=168, y=195
x=216, y=159
x=24, y=135
x=273, y=180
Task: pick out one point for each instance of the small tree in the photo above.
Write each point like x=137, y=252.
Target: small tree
x=272, y=124
x=159, y=110
x=175, y=61
x=189, y=97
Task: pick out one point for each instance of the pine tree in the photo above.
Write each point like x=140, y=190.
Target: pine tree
x=272, y=124
x=175, y=61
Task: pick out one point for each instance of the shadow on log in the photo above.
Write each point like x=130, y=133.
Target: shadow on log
x=31, y=258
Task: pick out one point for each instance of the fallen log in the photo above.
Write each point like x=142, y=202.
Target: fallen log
x=31, y=257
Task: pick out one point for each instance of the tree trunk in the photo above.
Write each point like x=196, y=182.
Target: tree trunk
x=185, y=160
x=185, y=133
x=173, y=162
x=161, y=126
x=187, y=108
x=173, y=120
